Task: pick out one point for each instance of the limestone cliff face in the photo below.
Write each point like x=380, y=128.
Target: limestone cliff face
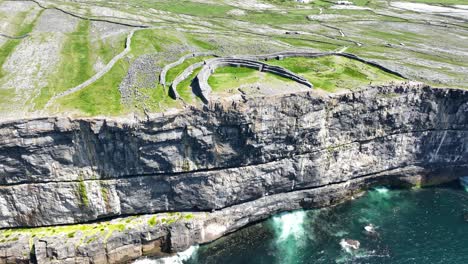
x=60, y=170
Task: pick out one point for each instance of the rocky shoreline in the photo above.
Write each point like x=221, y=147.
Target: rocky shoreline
x=225, y=166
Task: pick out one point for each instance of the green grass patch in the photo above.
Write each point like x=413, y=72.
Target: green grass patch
x=159, y=99
x=9, y=46
x=201, y=43
x=189, y=8
x=75, y=68
x=275, y=17
x=107, y=51
x=101, y=97
x=174, y=72
x=184, y=88
x=148, y=41
x=228, y=79
x=335, y=72
x=225, y=78
x=144, y=42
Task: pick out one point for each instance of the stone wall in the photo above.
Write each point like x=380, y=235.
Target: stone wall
x=203, y=89
x=212, y=64
x=162, y=76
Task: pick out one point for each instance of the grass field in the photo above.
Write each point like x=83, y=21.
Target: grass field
x=100, y=98
x=226, y=80
x=75, y=67
x=328, y=73
x=185, y=90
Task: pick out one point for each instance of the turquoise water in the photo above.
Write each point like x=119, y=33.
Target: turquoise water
x=411, y=226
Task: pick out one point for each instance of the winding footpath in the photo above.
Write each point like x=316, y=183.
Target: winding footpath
x=98, y=75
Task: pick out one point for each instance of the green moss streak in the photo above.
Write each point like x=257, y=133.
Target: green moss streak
x=83, y=193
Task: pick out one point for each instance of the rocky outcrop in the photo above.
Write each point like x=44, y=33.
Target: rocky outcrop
x=61, y=171
x=230, y=165
x=181, y=232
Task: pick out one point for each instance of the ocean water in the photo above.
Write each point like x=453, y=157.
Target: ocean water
x=410, y=226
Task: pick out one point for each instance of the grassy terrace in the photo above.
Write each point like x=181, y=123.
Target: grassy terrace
x=226, y=80
x=87, y=233
x=330, y=73
x=185, y=89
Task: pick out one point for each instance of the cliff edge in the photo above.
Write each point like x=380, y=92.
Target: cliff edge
x=231, y=164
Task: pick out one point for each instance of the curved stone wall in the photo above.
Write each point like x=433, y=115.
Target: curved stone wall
x=203, y=89
x=181, y=77
x=162, y=76
x=211, y=65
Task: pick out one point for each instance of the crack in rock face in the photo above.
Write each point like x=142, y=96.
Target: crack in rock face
x=229, y=165
x=55, y=169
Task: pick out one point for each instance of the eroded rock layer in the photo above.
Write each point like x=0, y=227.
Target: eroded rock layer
x=60, y=171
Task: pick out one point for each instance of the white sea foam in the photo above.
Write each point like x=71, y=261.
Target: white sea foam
x=382, y=190
x=179, y=258
x=290, y=225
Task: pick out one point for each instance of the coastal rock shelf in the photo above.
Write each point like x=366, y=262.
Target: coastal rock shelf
x=241, y=162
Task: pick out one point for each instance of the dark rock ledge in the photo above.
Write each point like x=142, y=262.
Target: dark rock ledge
x=228, y=166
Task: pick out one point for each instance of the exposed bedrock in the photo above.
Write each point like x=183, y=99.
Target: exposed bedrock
x=58, y=170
